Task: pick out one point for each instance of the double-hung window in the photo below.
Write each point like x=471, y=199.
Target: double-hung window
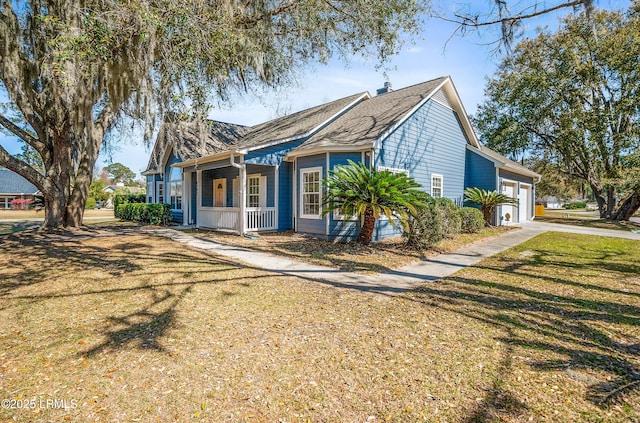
x=175, y=189
x=253, y=191
x=395, y=171
x=160, y=192
x=437, y=185
x=311, y=190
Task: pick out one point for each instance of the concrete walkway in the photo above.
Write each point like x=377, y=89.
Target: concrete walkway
x=398, y=280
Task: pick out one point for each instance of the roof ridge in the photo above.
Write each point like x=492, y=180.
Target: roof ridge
x=414, y=85
x=310, y=108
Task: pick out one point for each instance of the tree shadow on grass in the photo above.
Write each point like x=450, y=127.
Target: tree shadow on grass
x=144, y=328
x=543, y=317
x=498, y=401
x=117, y=258
x=30, y=259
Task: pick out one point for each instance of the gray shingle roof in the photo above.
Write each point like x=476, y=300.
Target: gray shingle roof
x=364, y=123
x=12, y=183
x=188, y=143
x=296, y=124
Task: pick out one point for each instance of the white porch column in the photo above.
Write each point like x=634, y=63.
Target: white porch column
x=198, y=196
x=242, y=167
x=276, y=201
x=186, y=197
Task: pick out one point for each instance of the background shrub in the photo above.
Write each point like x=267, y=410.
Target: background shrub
x=439, y=219
x=90, y=204
x=120, y=199
x=151, y=214
x=575, y=205
x=471, y=219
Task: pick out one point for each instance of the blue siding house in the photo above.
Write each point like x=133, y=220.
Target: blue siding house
x=269, y=177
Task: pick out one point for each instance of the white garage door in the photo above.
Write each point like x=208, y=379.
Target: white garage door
x=524, y=205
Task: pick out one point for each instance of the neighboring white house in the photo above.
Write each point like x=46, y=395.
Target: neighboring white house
x=14, y=186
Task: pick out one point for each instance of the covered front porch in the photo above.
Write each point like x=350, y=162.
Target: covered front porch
x=231, y=196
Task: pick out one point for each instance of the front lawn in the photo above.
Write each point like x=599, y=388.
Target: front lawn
x=127, y=327
x=351, y=257
x=588, y=222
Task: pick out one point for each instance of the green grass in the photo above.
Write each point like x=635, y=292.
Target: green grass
x=587, y=222
x=138, y=328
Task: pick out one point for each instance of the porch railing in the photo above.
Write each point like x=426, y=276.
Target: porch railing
x=257, y=218
x=219, y=218
x=261, y=218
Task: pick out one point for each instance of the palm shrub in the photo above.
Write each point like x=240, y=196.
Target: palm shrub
x=487, y=200
x=356, y=190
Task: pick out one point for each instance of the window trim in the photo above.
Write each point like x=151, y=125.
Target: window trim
x=262, y=190
x=304, y=171
x=394, y=170
x=160, y=192
x=173, y=183
x=437, y=176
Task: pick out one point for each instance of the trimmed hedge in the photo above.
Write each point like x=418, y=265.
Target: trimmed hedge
x=472, y=220
x=151, y=214
x=120, y=199
x=576, y=205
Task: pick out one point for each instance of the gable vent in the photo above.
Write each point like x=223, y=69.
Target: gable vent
x=441, y=97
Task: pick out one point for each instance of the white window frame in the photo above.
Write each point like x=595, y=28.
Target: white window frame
x=394, y=170
x=174, y=192
x=160, y=192
x=344, y=218
x=303, y=172
x=256, y=194
x=435, y=176
x=262, y=190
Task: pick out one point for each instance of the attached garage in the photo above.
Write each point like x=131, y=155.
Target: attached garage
x=486, y=169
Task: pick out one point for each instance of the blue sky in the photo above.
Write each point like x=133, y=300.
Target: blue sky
x=468, y=60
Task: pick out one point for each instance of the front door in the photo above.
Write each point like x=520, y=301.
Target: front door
x=220, y=192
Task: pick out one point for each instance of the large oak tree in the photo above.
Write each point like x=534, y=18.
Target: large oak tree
x=73, y=68
x=572, y=97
